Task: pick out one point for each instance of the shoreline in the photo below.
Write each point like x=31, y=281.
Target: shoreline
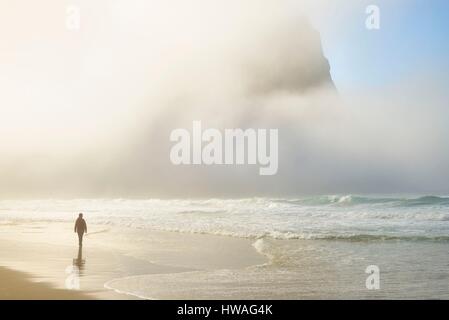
x=127, y=263
x=43, y=260
x=16, y=285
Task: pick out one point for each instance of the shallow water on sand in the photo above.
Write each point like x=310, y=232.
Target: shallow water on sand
x=304, y=269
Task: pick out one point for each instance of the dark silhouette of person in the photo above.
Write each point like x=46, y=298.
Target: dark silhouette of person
x=80, y=228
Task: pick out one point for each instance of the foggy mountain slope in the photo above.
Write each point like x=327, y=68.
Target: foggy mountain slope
x=272, y=79
x=89, y=114
x=292, y=61
x=228, y=74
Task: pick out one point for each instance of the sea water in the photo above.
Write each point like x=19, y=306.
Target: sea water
x=317, y=247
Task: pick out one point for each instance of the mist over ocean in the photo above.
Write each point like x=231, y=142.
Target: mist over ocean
x=189, y=133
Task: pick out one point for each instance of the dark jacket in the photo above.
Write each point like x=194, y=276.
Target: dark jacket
x=80, y=225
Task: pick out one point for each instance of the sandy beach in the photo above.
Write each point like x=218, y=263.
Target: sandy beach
x=43, y=260
x=216, y=249
x=18, y=286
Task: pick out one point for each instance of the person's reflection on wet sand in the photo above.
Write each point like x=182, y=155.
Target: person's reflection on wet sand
x=79, y=262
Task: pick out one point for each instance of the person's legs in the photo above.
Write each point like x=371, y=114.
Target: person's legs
x=80, y=238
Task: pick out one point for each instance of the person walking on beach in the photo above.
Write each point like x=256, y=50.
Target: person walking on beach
x=80, y=228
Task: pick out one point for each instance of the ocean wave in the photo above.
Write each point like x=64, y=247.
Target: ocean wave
x=350, y=217
x=360, y=200
x=373, y=237
x=260, y=244
x=427, y=200
x=200, y=212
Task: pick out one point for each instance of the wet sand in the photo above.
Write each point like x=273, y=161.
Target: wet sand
x=21, y=286
x=43, y=261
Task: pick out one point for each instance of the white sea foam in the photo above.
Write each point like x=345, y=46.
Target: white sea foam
x=326, y=217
